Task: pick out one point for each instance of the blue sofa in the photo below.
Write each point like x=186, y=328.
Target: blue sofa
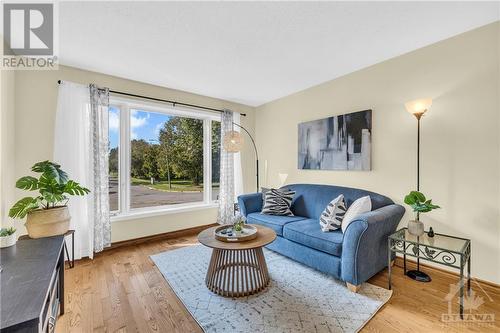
x=353, y=256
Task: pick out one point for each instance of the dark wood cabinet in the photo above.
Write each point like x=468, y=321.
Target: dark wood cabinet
x=32, y=285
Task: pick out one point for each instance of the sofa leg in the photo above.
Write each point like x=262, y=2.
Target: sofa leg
x=352, y=287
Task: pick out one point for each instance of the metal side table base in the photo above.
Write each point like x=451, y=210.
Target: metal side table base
x=442, y=249
x=418, y=276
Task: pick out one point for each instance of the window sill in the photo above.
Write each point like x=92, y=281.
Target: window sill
x=149, y=212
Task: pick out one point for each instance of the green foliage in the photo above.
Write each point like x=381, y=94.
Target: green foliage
x=27, y=183
x=419, y=203
x=113, y=161
x=216, y=147
x=182, y=139
x=51, y=170
x=53, y=186
x=238, y=223
x=137, y=154
x=24, y=206
x=177, y=154
x=4, y=232
x=150, y=166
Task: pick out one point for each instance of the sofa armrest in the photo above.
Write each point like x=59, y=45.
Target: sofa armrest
x=250, y=203
x=364, y=247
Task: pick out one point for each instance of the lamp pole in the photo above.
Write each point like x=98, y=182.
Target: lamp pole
x=418, y=116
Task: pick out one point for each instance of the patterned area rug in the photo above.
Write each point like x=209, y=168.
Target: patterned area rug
x=298, y=299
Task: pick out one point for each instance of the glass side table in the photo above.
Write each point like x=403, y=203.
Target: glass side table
x=442, y=249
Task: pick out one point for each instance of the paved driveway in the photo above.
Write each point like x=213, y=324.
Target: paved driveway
x=143, y=196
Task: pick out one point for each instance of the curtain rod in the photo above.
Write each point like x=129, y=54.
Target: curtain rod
x=174, y=103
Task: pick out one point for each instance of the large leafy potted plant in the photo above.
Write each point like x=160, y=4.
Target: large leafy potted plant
x=420, y=204
x=47, y=213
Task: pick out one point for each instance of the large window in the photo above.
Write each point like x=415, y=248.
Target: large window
x=160, y=157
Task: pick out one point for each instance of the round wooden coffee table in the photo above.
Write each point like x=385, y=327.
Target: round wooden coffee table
x=237, y=269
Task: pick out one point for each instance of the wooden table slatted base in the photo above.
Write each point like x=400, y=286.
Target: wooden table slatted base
x=237, y=273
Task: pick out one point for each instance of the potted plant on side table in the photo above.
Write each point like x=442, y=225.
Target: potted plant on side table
x=420, y=204
x=47, y=213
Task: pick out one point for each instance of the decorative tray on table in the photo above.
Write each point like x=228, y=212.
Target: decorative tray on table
x=226, y=233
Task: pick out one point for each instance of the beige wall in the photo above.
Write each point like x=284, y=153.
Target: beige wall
x=7, y=155
x=460, y=135
x=35, y=105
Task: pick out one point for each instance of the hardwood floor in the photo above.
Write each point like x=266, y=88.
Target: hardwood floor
x=122, y=291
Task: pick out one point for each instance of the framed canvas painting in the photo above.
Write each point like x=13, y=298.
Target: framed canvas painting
x=340, y=142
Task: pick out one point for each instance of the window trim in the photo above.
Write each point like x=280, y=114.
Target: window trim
x=163, y=210
x=125, y=105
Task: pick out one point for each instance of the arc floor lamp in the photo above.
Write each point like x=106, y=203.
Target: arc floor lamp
x=233, y=143
x=418, y=108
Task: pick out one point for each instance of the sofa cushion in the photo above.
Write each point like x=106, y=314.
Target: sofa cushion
x=274, y=222
x=307, y=232
x=311, y=199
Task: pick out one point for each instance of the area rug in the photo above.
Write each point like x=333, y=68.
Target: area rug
x=298, y=299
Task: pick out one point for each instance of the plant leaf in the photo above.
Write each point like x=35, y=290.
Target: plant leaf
x=73, y=188
x=7, y=231
x=53, y=197
x=43, y=166
x=23, y=207
x=27, y=183
x=409, y=199
x=51, y=170
x=49, y=184
x=419, y=196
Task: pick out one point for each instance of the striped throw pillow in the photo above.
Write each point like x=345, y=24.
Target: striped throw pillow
x=278, y=202
x=332, y=216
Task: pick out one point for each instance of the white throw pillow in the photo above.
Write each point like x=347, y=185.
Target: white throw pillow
x=358, y=207
x=332, y=216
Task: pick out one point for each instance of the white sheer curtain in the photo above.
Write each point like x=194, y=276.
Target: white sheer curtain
x=226, y=185
x=99, y=104
x=80, y=132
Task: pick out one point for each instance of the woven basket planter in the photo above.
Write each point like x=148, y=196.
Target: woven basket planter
x=48, y=222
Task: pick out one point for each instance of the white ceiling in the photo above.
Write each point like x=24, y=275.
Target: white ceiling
x=252, y=52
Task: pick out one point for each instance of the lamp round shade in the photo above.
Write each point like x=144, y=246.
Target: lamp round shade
x=418, y=106
x=233, y=142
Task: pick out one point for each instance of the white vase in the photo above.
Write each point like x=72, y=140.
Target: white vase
x=415, y=228
x=7, y=241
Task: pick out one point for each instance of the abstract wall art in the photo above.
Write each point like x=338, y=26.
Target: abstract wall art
x=340, y=142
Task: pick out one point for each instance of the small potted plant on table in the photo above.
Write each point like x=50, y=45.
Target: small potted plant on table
x=47, y=213
x=420, y=204
x=7, y=237
x=238, y=223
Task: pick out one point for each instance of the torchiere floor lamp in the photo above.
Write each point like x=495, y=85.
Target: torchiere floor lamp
x=418, y=108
